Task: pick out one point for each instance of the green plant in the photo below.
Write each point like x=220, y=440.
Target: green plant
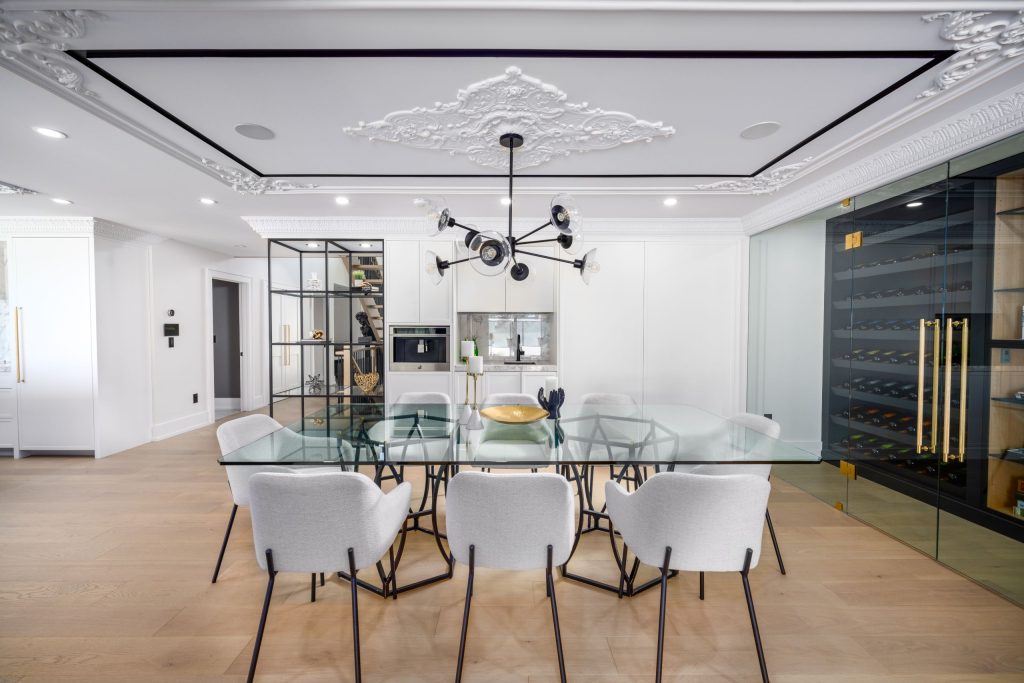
x=358, y=275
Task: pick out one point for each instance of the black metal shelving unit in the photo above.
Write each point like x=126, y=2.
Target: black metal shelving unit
x=319, y=279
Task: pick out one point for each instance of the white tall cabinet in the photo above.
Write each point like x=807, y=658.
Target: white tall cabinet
x=80, y=340
x=55, y=368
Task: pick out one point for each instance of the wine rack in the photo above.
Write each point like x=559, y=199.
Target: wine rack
x=923, y=341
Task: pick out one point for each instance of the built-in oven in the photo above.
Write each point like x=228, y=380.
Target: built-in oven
x=419, y=348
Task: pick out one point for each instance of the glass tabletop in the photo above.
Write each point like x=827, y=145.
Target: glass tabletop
x=452, y=434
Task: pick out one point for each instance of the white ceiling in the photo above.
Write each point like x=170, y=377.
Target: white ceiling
x=110, y=169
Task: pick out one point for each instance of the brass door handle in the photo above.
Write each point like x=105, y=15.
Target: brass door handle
x=947, y=389
x=934, y=324
x=19, y=375
x=962, y=445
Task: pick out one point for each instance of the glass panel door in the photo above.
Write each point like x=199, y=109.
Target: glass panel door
x=896, y=305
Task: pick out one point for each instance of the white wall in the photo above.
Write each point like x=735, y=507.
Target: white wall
x=787, y=280
x=124, y=408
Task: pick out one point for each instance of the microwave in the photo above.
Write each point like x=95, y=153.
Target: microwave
x=419, y=349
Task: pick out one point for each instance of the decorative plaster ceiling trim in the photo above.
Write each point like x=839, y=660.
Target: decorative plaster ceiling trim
x=996, y=118
x=374, y=227
x=46, y=225
x=32, y=45
x=979, y=44
x=550, y=125
x=10, y=188
x=123, y=233
x=787, y=6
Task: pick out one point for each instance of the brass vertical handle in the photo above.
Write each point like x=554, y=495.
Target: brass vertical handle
x=920, y=383
x=947, y=389
x=19, y=376
x=932, y=446
x=936, y=333
x=963, y=390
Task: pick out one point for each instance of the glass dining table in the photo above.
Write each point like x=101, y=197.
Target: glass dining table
x=632, y=441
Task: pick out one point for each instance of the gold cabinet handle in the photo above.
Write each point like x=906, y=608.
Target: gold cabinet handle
x=934, y=324
x=947, y=389
x=963, y=390
x=920, y=384
x=19, y=375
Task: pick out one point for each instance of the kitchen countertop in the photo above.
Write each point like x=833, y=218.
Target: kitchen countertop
x=501, y=367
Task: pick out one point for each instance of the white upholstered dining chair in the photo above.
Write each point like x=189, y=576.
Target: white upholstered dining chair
x=322, y=522
x=510, y=521
x=694, y=522
x=505, y=444
x=247, y=430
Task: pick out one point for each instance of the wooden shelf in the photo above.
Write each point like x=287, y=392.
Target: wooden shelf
x=1016, y=403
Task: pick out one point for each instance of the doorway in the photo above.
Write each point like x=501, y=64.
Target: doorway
x=227, y=370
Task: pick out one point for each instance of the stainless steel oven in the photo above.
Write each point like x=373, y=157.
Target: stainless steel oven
x=419, y=348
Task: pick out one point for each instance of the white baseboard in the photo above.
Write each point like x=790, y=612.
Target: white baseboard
x=227, y=403
x=187, y=423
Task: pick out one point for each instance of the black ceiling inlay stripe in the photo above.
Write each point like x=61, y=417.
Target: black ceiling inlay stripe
x=85, y=57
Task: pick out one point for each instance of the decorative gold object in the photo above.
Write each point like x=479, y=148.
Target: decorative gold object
x=318, y=334
x=514, y=415
x=367, y=381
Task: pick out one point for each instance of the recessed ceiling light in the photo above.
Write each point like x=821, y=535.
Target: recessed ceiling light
x=760, y=130
x=914, y=205
x=49, y=133
x=505, y=201
x=62, y=202
x=313, y=245
x=341, y=201
x=365, y=245
x=670, y=201
x=254, y=131
x=207, y=201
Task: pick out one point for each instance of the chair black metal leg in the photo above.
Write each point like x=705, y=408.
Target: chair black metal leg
x=554, y=617
x=753, y=616
x=661, y=614
x=321, y=578
x=224, y=545
x=312, y=587
x=702, y=585
x=465, y=614
x=775, y=542
x=355, y=614
x=271, y=574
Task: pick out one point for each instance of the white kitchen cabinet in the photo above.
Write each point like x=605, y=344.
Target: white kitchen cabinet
x=409, y=295
x=478, y=293
x=403, y=382
x=435, y=300
x=501, y=383
x=51, y=285
x=402, y=281
x=535, y=294
x=601, y=325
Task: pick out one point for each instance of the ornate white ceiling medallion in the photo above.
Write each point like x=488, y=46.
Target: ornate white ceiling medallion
x=979, y=44
x=764, y=183
x=8, y=188
x=512, y=103
x=250, y=183
x=37, y=41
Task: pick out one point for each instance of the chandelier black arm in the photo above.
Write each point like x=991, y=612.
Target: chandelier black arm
x=448, y=264
x=553, y=239
x=575, y=263
x=464, y=227
x=537, y=229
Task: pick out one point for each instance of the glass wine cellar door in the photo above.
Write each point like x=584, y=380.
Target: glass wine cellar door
x=923, y=399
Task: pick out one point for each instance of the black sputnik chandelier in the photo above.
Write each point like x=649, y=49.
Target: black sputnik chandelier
x=491, y=253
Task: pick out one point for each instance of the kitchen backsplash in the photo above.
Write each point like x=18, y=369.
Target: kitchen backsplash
x=495, y=334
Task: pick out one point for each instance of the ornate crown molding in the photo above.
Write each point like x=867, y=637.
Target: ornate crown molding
x=765, y=183
x=46, y=225
x=511, y=103
x=250, y=183
x=123, y=233
x=8, y=188
x=980, y=45
x=37, y=42
x=990, y=121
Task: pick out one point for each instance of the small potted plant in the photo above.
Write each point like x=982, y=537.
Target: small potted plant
x=359, y=279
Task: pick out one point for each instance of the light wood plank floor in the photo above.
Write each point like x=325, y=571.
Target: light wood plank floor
x=105, y=576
